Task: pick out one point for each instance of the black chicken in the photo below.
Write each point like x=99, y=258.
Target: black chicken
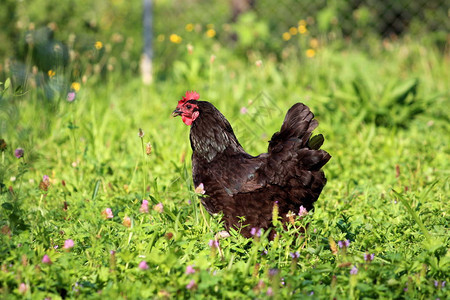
x=245, y=187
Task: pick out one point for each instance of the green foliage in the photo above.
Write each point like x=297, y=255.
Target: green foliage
x=47, y=33
x=380, y=111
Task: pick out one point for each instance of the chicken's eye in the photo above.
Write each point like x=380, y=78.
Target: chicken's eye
x=188, y=106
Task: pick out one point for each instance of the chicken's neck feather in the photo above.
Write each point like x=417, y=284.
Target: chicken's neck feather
x=211, y=134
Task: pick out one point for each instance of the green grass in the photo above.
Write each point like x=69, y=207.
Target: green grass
x=384, y=118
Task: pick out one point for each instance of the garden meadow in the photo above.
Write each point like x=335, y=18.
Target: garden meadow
x=96, y=192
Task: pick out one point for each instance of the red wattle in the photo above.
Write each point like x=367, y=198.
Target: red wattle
x=186, y=120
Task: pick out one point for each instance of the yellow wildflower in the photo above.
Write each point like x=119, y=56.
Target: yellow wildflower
x=302, y=23
x=51, y=73
x=210, y=33
x=314, y=43
x=293, y=30
x=75, y=86
x=310, y=53
x=175, y=38
x=189, y=27
x=286, y=36
x=302, y=29
x=98, y=45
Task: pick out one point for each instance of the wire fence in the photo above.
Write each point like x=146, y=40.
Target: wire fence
x=385, y=17
x=108, y=34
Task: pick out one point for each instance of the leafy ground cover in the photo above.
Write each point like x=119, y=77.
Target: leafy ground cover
x=91, y=210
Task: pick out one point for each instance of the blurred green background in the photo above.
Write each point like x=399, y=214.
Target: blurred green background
x=98, y=37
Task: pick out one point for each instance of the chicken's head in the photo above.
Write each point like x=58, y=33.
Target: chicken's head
x=187, y=108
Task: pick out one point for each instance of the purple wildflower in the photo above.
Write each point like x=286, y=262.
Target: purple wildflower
x=255, y=231
x=244, y=110
x=76, y=286
x=302, y=212
x=213, y=244
x=344, y=244
x=46, y=179
x=369, y=257
x=159, y=207
x=269, y=291
x=260, y=284
x=312, y=293
x=19, y=152
x=273, y=272
x=68, y=244
x=443, y=283
x=71, y=96
x=107, y=213
x=143, y=265
x=191, y=284
x=436, y=283
x=354, y=270
x=144, y=206
x=295, y=255
x=23, y=288
x=46, y=260
x=190, y=269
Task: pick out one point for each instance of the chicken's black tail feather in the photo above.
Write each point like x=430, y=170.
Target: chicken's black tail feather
x=298, y=125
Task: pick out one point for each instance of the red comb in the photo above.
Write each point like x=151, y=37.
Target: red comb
x=190, y=95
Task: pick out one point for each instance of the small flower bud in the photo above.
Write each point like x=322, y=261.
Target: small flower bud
x=126, y=221
x=148, y=148
x=200, y=189
x=141, y=133
x=3, y=145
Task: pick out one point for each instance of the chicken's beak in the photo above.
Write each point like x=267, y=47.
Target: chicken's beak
x=176, y=113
